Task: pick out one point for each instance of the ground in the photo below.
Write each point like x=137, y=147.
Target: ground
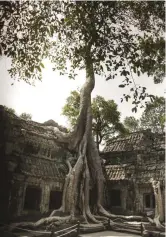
x=109, y=234
x=98, y=234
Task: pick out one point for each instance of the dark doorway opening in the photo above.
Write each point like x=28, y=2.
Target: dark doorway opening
x=153, y=201
x=55, y=200
x=32, y=198
x=149, y=200
x=115, y=195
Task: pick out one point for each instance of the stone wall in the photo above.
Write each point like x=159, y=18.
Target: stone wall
x=132, y=197
x=132, y=171
x=28, y=160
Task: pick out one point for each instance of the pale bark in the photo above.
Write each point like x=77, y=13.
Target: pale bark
x=88, y=164
x=80, y=138
x=159, y=209
x=41, y=222
x=63, y=207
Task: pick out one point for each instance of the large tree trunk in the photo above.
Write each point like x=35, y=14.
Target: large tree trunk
x=88, y=166
x=159, y=209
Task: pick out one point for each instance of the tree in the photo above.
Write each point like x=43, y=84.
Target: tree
x=159, y=211
x=105, y=116
x=114, y=40
x=153, y=116
x=105, y=120
x=71, y=108
x=26, y=116
x=132, y=124
x=10, y=110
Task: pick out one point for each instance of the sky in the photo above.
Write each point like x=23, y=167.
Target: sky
x=45, y=100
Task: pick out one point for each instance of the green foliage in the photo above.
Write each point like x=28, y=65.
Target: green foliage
x=106, y=117
x=26, y=116
x=121, y=37
x=71, y=108
x=131, y=124
x=152, y=118
x=10, y=110
x=154, y=115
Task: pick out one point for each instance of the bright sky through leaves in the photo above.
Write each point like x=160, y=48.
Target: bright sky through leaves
x=46, y=99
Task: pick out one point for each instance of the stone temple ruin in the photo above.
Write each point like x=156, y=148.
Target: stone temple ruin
x=131, y=162
x=33, y=169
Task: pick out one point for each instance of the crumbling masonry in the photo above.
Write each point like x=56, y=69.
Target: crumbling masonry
x=33, y=169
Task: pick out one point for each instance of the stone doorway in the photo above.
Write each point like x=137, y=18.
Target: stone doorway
x=149, y=201
x=32, y=198
x=55, y=200
x=115, y=195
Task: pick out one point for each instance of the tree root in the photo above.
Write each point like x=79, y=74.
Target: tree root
x=51, y=219
x=92, y=218
x=109, y=215
x=41, y=222
x=101, y=218
x=156, y=221
x=54, y=212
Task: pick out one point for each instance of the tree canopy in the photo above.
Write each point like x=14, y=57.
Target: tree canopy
x=153, y=116
x=71, y=108
x=123, y=38
x=105, y=116
x=131, y=123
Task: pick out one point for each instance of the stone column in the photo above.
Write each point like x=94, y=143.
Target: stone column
x=138, y=199
x=141, y=203
x=45, y=198
x=21, y=198
x=124, y=197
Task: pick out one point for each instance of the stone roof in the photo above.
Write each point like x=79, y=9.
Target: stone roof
x=135, y=141
x=30, y=147
x=12, y=120
x=40, y=167
x=141, y=174
x=119, y=172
